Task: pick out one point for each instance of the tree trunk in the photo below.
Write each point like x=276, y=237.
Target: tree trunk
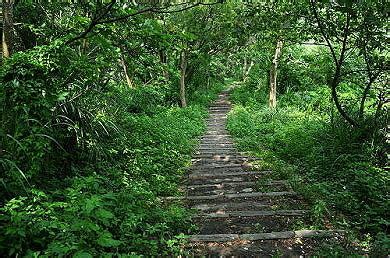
x=244, y=68
x=247, y=69
x=164, y=61
x=273, y=74
x=124, y=66
x=183, y=68
x=8, y=28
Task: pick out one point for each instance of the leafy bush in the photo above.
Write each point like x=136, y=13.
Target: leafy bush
x=87, y=159
x=87, y=219
x=337, y=168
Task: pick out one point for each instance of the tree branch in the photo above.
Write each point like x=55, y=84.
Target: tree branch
x=163, y=10
x=321, y=26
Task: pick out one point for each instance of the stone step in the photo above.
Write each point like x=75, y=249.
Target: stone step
x=234, y=187
x=213, y=207
x=220, y=129
x=201, y=181
x=216, y=148
x=218, y=116
x=213, y=162
x=215, y=133
x=221, y=156
x=220, y=186
x=216, y=142
x=213, y=144
x=251, y=213
x=230, y=196
x=197, y=175
x=218, y=113
x=264, y=204
x=224, y=106
x=282, y=202
x=221, y=159
x=247, y=225
x=231, y=152
x=265, y=236
x=216, y=166
x=218, y=136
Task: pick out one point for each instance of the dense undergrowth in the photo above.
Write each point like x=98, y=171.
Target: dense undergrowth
x=85, y=171
x=339, y=170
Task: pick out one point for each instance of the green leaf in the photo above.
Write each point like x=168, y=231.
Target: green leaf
x=82, y=254
x=62, y=96
x=106, y=240
x=104, y=214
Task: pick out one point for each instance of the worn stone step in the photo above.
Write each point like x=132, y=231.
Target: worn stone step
x=251, y=213
x=213, y=143
x=220, y=186
x=217, y=136
x=222, y=110
x=216, y=129
x=207, y=180
x=213, y=162
x=218, y=113
x=247, y=225
x=213, y=207
x=224, y=174
x=230, y=196
x=234, y=187
x=217, y=142
x=217, y=124
x=214, y=133
x=281, y=202
x=216, y=166
x=219, y=107
x=221, y=156
x=216, y=148
x=220, y=160
x=216, y=118
x=218, y=153
x=265, y=204
x=265, y=236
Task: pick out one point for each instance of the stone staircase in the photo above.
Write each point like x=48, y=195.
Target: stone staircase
x=234, y=218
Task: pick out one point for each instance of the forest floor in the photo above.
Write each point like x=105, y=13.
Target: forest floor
x=241, y=210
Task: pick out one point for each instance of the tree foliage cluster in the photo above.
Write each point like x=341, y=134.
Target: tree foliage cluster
x=92, y=130
x=328, y=133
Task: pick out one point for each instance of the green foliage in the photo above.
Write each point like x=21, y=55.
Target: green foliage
x=87, y=218
x=86, y=157
x=336, y=168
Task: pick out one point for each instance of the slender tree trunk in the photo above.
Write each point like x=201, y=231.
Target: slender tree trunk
x=164, y=61
x=273, y=74
x=8, y=28
x=247, y=69
x=183, y=68
x=244, y=68
x=371, y=80
x=337, y=76
x=124, y=66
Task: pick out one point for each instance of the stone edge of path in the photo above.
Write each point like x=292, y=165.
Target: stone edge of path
x=265, y=236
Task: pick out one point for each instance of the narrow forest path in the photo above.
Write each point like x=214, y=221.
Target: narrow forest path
x=234, y=216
